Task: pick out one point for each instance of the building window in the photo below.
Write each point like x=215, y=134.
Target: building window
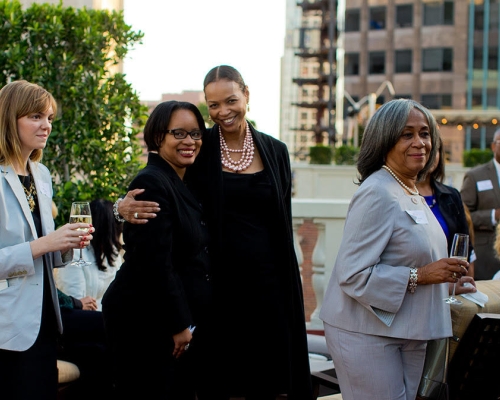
x=479, y=16
x=436, y=101
x=491, y=99
x=376, y=62
x=352, y=20
x=438, y=13
x=377, y=17
x=492, y=58
x=403, y=60
x=436, y=60
x=351, y=64
x=404, y=15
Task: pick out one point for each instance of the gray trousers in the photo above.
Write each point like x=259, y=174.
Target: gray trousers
x=375, y=367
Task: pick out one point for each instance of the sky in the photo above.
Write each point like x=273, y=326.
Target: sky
x=184, y=39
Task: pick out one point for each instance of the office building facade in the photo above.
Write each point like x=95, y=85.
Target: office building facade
x=441, y=53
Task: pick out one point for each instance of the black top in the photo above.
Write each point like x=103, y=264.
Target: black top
x=26, y=181
x=450, y=205
x=251, y=279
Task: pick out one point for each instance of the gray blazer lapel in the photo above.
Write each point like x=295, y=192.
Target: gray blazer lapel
x=16, y=186
x=43, y=186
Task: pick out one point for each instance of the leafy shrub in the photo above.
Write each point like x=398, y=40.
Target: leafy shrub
x=320, y=154
x=346, y=155
x=473, y=157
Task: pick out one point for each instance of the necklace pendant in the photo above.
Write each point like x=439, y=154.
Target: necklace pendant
x=31, y=203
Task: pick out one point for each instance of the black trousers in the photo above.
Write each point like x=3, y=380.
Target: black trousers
x=32, y=374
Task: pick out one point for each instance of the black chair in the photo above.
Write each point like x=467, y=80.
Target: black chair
x=474, y=370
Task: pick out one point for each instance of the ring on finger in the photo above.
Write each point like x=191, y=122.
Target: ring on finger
x=454, y=275
x=136, y=215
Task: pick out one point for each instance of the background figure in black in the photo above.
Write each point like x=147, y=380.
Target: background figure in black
x=84, y=343
x=447, y=206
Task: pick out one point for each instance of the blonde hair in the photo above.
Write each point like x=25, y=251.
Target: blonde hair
x=18, y=99
x=55, y=211
x=496, y=244
x=470, y=224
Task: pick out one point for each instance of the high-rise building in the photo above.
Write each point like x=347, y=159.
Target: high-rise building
x=441, y=53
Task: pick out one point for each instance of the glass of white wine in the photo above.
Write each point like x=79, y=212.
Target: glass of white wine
x=80, y=212
x=460, y=250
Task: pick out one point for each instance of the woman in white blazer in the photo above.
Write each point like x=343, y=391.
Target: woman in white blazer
x=30, y=319
x=385, y=297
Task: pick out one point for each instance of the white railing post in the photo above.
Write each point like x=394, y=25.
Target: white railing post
x=328, y=216
x=297, y=223
x=318, y=274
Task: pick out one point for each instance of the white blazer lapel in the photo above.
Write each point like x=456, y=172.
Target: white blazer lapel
x=43, y=186
x=17, y=188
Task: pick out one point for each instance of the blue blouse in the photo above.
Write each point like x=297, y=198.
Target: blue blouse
x=432, y=203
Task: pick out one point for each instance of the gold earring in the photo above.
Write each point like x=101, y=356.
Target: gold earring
x=248, y=107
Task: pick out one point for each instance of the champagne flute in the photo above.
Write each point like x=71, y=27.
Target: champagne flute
x=460, y=250
x=80, y=212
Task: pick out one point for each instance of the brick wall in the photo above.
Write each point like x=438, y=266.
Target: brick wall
x=308, y=235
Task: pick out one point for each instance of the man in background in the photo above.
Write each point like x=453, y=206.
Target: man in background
x=481, y=194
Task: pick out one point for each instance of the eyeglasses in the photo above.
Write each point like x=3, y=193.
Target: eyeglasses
x=182, y=133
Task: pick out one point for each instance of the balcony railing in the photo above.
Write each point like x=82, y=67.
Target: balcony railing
x=328, y=217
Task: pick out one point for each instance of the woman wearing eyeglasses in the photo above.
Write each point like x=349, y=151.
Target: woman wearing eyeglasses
x=245, y=181
x=163, y=288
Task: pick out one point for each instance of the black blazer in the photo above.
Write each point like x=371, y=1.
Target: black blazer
x=451, y=206
x=166, y=269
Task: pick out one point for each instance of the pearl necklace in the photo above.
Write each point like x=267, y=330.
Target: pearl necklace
x=413, y=192
x=247, y=153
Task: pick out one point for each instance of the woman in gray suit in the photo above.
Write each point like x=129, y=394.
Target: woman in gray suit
x=385, y=297
x=29, y=246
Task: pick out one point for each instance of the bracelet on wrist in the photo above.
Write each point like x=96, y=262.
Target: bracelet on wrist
x=412, y=282
x=118, y=217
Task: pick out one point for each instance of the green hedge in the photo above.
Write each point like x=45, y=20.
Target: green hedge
x=473, y=157
x=346, y=155
x=320, y=154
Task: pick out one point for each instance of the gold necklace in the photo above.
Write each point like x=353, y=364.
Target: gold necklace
x=413, y=192
x=30, y=194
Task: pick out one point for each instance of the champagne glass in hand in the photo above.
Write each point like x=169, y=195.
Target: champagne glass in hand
x=80, y=212
x=460, y=250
